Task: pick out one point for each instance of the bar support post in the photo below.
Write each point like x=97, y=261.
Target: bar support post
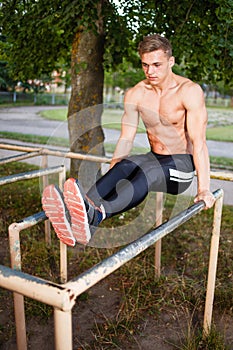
x=158, y=244
x=213, y=259
x=63, y=329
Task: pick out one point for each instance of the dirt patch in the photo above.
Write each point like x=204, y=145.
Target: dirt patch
x=101, y=308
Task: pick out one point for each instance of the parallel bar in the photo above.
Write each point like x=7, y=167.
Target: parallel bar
x=112, y=263
x=213, y=174
x=73, y=155
x=18, y=157
x=29, y=221
x=37, y=288
x=30, y=175
x=19, y=148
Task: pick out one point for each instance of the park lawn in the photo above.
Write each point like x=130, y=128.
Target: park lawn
x=220, y=133
x=111, y=119
x=55, y=114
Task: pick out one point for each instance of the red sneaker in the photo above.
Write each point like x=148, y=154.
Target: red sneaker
x=75, y=202
x=55, y=209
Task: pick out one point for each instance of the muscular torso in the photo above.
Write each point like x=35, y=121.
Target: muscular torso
x=164, y=117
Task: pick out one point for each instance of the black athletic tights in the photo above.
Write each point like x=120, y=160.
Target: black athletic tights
x=127, y=184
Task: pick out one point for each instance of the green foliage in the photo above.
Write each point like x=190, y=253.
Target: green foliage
x=200, y=33
x=5, y=81
x=38, y=34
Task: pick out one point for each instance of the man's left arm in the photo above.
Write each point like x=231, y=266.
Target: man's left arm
x=196, y=127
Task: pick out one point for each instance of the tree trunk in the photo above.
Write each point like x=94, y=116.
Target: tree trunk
x=86, y=104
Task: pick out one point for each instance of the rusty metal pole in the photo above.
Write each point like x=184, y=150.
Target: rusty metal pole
x=15, y=255
x=20, y=323
x=158, y=244
x=63, y=329
x=213, y=259
x=45, y=182
x=63, y=247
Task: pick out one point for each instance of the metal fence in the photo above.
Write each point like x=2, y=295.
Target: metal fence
x=36, y=99
x=63, y=99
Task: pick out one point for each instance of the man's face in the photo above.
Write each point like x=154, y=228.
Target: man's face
x=156, y=66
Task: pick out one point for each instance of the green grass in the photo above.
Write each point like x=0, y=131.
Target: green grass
x=44, y=140
x=111, y=119
x=180, y=292
x=221, y=162
x=223, y=133
x=55, y=114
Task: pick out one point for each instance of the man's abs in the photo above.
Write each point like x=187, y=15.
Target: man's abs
x=169, y=141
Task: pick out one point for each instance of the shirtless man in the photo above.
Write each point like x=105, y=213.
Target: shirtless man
x=173, y=111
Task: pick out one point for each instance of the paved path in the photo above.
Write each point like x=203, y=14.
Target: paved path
x=26, y=120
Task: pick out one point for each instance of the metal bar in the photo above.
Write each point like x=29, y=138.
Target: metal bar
x=213, y=265
x=62, y=178
x=29, y=221
x=73, y=155
x=20, y=324
x=45, y=182
x=15, y=253
x=63, y=247
x=63, y=262
x=18, y=157
x=19, y=148
x=158, y=244
x=62, y=154
x=63, y=297
x=63, y=329
x=30, y=175
x=112, y=263
x=37, y=288
x=213, y=174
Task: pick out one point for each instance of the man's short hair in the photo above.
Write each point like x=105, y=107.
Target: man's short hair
x=155, y=42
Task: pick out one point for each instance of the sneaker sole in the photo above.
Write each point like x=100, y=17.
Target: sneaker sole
x=53, y=205
x=77, y=209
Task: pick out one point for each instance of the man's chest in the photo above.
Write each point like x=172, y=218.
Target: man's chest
x=163, y=110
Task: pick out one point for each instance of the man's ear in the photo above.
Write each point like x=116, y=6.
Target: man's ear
x=171, y=61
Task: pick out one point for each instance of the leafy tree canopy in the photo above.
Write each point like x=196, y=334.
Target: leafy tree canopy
x=38, y=34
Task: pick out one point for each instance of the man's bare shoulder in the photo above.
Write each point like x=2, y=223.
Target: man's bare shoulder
x=191, y=94
x=137, y=91
x=187, y=85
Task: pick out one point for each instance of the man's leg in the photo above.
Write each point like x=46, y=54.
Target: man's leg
x=84, y=214
x=106, y=186
x=124, y=187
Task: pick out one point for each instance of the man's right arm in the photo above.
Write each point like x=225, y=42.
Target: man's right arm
x=129, y=124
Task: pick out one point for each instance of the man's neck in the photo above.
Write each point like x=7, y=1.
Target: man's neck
x=167, y=84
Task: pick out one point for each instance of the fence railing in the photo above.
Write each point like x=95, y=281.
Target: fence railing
x=63, y=99
x=39, y=99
